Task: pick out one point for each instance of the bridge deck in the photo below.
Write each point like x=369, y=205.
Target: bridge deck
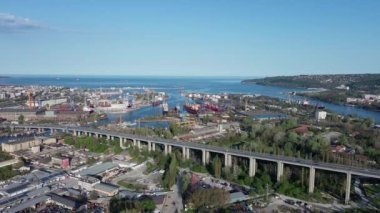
x=366, y=172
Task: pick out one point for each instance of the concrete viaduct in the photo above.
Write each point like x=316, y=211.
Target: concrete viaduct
x=152, y=143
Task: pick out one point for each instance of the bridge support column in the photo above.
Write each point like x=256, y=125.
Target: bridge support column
x=153, y=146
x=166, y=149
x=108, y=137
x=139, y=144
x=280, y=170
x=184, y=153
x=149, y=146
x=227, y=160
x=122, y=143
x=205, y=157
x=134, y=142
x=252, y=167
x=311, y=179
x=348, y=188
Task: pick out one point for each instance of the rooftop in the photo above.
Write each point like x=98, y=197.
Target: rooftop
x=29, y=203
x=237, y=196
x=89, y=179
x=15, y=187
x=104, y=187
x=98, y=169
x=66, y=201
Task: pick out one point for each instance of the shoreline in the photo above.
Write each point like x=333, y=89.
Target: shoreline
x=364, y=107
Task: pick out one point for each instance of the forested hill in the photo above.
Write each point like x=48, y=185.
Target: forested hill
x=354, y=81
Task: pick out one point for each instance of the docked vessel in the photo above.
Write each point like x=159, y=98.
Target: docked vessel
x=165, y=108
x=156, y=103
x=109, y=106
x=192, y=108
x=212, y=107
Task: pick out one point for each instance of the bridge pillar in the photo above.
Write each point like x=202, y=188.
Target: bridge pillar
x=311, y=179
x=134, y=142
x=348, y=188
x=205, y=157
x=139, y=144
x=108, y=137
x=122, y=143
x=227, y=160
x=149, y=146
x=184, y=153
x=166, y=149
x=252, y=167
x=280, y=170
x=153, y=146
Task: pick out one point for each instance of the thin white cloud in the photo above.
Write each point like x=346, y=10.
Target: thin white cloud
x=12, y=23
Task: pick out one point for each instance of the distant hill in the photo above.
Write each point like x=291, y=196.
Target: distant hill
x=366, y=82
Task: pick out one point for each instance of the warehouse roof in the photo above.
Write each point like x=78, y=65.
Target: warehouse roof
x=98, y=169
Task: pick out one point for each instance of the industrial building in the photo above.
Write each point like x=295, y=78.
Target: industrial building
x=106, y=189
x=88, y=182
x=26, y=144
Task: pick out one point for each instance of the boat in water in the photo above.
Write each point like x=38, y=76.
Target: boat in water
x=192, y=108
x=320, y=106
x=102, y=116
x=156, y=103
x=212, y=107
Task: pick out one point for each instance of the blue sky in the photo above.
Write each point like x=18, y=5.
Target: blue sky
x=189, y=37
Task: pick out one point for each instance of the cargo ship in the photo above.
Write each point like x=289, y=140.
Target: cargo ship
x=192, y=108
x=111, y=106
x=212, y=107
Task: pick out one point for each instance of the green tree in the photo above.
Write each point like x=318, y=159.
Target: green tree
x=217, y=167
x=21, y=119
x=93, y=195
x=214, y=198
x=171, y=171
